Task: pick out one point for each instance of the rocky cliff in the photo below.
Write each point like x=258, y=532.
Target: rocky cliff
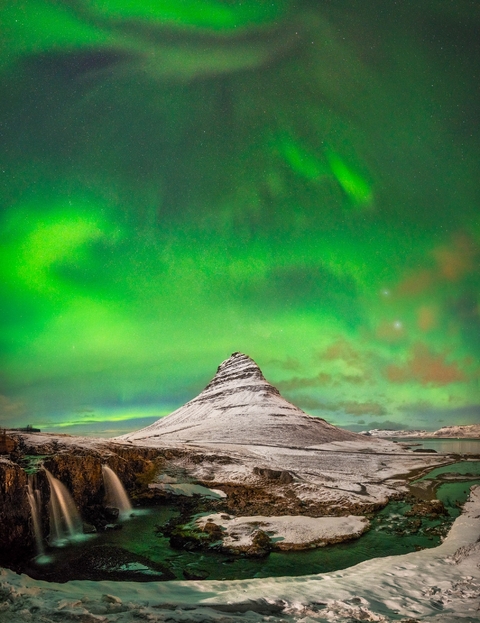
x=77, y=466
x=7, y=443
x=15, y=530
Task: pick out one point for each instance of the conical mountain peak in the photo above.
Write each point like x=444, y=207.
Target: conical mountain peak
x=238, y=370
x=239, y=406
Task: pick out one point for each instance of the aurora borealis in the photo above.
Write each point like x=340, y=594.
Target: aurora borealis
x=297, y=181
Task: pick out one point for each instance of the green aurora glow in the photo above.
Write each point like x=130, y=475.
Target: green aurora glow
x=181, y=180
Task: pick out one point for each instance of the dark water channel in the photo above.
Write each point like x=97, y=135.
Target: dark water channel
x=138, y=551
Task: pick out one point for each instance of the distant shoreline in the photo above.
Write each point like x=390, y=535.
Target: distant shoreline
x=471, y=431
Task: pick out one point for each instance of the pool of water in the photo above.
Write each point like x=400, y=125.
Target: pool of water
x=461, y=468
x=446, y=446
x=139, y=551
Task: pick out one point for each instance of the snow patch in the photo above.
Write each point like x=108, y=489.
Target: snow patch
x=286, y=532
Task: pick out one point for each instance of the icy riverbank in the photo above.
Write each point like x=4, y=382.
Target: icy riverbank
x=440, y=585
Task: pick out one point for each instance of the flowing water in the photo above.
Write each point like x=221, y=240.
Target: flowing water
x=65, y=521
x=33, y=496
x=144, y=549
x=115, y=494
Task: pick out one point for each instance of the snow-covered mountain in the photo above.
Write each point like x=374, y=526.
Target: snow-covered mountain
x=240, y=407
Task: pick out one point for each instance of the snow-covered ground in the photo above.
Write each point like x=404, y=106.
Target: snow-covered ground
x=243, y=418
x=440, y=585
x=242, y=439
x=286, y=532
x=471, y=431
x=341, y=473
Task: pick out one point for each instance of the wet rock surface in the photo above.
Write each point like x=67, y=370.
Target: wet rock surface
x=15, y=531
x=275, y=500
x=104, y=562
x=430, y=508
x=78, y=468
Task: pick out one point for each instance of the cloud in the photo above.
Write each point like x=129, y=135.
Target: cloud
x=311, y=403
x=301, y=383
x=342, y=350
x=312, y=287
x=416, y=407
x=354, y=379
x=469, y=412
x=320, y=380
x=9, y=406
x=350, y=407
x=416, y=283
x=458, y=259
x=435, y=415
x=451, y=263
x=466, y=310
x=289, y=363
x=11, y=411
x=391, y=331
x=363, y=408
x=427, y=317
x=427, y=368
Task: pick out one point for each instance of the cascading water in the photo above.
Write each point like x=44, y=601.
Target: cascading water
x=65, y=522
x=33, y=496
x=115, y=494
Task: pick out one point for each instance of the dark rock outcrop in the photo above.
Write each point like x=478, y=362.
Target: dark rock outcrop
x=7, y=443
x=15, y=531
x=430, y=508
x=279, y=475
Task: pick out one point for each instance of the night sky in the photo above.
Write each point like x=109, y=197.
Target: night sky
x=298, y=181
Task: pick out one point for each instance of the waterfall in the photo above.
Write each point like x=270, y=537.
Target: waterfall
x=65, y=522
x=115, y=494
x=33, y=496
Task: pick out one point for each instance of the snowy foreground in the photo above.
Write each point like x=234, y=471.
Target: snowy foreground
x=440, y=585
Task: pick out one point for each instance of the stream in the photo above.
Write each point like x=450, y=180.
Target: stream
x=138, y=551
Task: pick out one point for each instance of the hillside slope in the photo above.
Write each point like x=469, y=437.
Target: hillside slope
x=240, y=407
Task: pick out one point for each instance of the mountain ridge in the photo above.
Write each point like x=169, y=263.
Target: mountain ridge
x=239, y=406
